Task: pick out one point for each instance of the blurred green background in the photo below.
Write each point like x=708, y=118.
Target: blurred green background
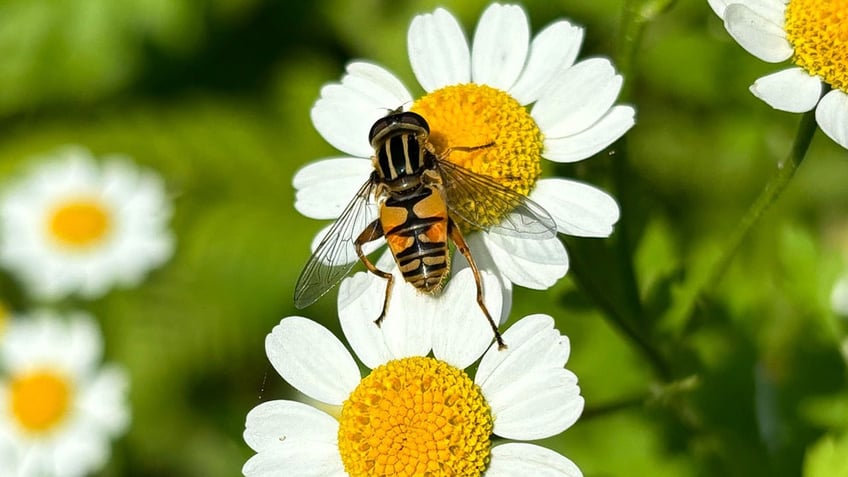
x=215, y=95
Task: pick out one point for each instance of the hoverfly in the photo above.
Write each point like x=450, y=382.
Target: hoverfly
x=422, y=201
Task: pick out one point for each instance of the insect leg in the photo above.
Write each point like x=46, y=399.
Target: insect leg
x=462, y=246
x=373, y=232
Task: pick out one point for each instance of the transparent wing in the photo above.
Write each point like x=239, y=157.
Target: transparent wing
x=335, y=255
x=481, y=203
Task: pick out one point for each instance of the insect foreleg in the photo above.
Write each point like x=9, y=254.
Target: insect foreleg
x=462, y=246
x=371, y=233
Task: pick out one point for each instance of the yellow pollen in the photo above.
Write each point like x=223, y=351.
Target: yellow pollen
x=80, y=223
x=486, y=131
x=818, y=32
x=40, y=400
x=415, y=417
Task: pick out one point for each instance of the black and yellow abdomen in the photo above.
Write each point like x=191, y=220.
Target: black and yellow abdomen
x=416, y=227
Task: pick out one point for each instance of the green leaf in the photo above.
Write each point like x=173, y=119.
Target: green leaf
x=827, y=457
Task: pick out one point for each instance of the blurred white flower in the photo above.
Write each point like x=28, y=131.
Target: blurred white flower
x=59, y=408
x=526, y=97
x=812, y=35
x=839, y=297
x=414, y=414
x=73, y=225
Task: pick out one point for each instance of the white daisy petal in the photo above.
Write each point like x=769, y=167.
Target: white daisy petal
x=500, y=46
x=376, y=83
x=587, y=92
x=552, y=52
x=531, y=395
x=539, y=406
x=792, y=90
x=312, y=360
x=839, y=297
x=461, y=332
x=579, y=210
x=303, y=459
x=485, y=263
x=277, y=423
x=360, y=300
x=326, y=186
x=438, y=51
x=344, y=122
x=759, y=36
x=408, y=326
x=105, y=399
x=530, y=329
x=832, y=116
x=83, y=344
x=774, y=11
x=518, y=458
x=406, y=329
x=345, y=112
x=536, y=264
x=593, y=140
x=719, y=6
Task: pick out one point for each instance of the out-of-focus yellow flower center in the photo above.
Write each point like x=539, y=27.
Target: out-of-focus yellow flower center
x=818, y=31
x=80, y=223
x=504, y=141
x=40, y=400
x=415, y=417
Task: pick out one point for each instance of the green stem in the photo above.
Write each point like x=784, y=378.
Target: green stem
x=632, y=26
x=770, y=193
x=615, y=406
x=637, y=14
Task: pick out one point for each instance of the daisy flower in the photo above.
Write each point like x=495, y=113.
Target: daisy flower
x=415, y=415
x=72, y=225
x=813, y=35
x=525, y=99
x=59, y=408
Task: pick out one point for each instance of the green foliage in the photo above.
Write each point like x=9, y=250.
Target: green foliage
x=746, y=378
x=827, y=457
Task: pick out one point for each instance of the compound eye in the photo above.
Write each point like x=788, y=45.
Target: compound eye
x=414, y=119
x=379, y=126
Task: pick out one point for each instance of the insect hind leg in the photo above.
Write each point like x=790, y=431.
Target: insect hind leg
x=371, y=233
x=462, y=246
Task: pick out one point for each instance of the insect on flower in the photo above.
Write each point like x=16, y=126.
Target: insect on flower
x=423, y=200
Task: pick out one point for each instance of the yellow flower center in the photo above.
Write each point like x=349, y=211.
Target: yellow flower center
x=486, y=131
x=818, y=31
x=80, y=223
x=40, y=400
x=415, y=417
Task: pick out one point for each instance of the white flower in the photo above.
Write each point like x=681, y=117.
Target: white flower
x=75, y=226
x=59, y=408
x=812, y=34
x=481, y=96
x=413, y=413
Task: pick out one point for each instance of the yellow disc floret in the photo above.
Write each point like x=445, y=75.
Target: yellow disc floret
x=415, y=417
x=488, y=132
x=79, y=223
x=39, y=400
x=818, y=32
